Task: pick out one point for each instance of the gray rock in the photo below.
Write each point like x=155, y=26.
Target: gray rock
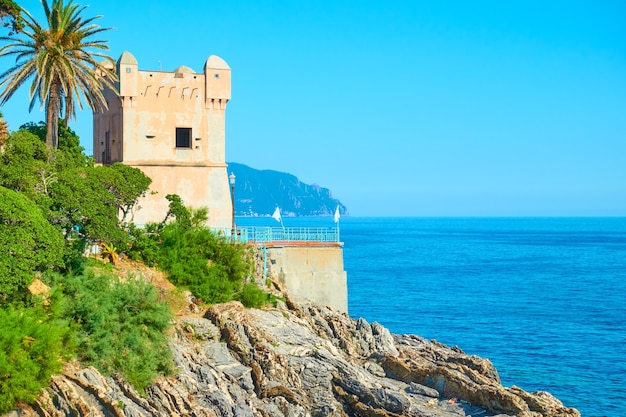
x=384, y=340
x=220, y=357
x=200, y=328
x=375, y=369
x=394, y=401
x=221, y=403
x=419, y=389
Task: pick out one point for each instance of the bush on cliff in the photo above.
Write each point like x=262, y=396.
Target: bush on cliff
x=144, y=243
x=28, y=243
x=33, y=343
x=121, y=325
x=212, y=267
x=117, y=326
x=51, y=203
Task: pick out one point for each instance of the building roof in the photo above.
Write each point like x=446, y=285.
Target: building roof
x=215, y=62
x=184, y=69
x=127, y=58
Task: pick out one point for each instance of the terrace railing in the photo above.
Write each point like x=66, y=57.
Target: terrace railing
x=266, y=235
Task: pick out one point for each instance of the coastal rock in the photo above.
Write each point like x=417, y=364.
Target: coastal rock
x=304, y=360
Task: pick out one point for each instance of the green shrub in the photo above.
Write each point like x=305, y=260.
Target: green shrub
x=28, y=243
x=211, y=267
x=214, y=269
x=144, y=244
x=32, y=345
x=254, y=297
x=121, y=326
x=73, y=257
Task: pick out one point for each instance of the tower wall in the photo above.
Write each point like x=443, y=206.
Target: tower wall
x=171, y=125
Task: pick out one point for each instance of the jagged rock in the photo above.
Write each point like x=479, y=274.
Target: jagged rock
x=306, y=360
x=418, y=389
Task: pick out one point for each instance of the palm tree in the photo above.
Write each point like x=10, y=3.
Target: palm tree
x=60, y=61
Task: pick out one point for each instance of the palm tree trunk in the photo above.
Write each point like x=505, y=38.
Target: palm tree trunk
x=4, y=130
x=52, y=116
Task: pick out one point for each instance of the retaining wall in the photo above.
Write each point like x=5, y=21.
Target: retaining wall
x=311, y=272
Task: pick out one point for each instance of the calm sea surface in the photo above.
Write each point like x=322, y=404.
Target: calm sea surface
x=543, y=298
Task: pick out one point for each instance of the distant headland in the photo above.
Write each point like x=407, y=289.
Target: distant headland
x=259, y=192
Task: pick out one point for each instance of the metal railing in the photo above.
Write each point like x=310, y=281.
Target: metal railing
x=258, y=234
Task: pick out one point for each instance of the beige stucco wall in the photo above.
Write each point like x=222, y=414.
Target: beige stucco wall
x=139, y=129
x=311, y=273
x=203, y=186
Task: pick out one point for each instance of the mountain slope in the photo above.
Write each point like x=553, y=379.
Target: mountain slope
x=259, y=192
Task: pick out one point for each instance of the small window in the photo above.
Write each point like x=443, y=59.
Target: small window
x=183, y=137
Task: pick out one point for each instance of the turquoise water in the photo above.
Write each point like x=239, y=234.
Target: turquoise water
x=543, y=298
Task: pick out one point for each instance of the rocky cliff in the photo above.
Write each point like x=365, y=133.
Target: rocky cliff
x=298, y=360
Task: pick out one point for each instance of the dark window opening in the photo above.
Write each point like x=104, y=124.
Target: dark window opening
x=106, y=155
x=183, y=137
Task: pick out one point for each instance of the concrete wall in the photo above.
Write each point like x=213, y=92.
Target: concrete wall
x=311, y=273
x=139, y=129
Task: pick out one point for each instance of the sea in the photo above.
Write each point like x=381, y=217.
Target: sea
x=543, y=298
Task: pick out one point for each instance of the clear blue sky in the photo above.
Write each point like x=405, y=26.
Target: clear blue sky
x=405, y=108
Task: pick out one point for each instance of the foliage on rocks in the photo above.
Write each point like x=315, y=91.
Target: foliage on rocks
x=28, y=242
x=121, y=325
x=52, y=203
x=198, y=259
x=213, y=268
x=33, y=344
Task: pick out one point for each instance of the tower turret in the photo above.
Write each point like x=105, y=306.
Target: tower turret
x=217, y=82
x=128, y=73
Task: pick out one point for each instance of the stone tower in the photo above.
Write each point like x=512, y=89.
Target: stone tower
x=171, y=125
